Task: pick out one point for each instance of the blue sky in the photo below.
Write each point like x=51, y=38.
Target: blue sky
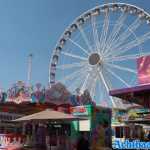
x=34, y=26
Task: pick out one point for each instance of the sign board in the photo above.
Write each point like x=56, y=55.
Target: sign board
x=84, y=125
x=79, y=111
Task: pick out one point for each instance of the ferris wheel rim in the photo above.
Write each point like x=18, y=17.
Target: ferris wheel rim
x=89, y=11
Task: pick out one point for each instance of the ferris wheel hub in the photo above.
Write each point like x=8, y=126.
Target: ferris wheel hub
x=94, y=59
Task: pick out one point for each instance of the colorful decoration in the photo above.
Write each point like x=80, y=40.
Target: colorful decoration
x=119, y=116
x=74, y=100
x=83, y=99
x=57, y=94
x=18, y=93
x=133, y=114
x=39, y=94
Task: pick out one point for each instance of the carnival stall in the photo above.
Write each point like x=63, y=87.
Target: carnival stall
x=57, y=128
x=130, y=123
x=139, y=94
x=136, y=120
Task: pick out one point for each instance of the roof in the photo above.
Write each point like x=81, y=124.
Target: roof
x=121, y=104
x=49, y=115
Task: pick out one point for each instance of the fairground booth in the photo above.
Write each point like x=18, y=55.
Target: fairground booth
x=140, y=95
x=21, y=100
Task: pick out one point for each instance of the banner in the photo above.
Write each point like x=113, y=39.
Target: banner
x=143, y=66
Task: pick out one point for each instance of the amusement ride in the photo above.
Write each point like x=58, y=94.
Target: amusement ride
x=97, y=52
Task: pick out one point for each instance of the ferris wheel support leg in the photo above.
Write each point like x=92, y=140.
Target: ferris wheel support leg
x=107, y=87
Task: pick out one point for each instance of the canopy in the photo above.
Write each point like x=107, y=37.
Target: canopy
x=138, y=94
x=51, y=115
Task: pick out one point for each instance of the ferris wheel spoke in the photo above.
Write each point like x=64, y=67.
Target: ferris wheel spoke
x=126, y=34
x=101, y=88
x=95, y=33
x=104, y=82
x=85, y=83
x=118, y=77
x=106, y=75
x=70, y=66
x=127, y=57
x=122, y=68
x=78, y=45
x=85, y=38
x=123, y=49
x=115, y=31
x=129, y=31
x=73, y=55
x=104, y=31
x=107, y=87
x=93, y=88
x=74, y=74
x=90, y=81
x=77, y=81
x=122, y=58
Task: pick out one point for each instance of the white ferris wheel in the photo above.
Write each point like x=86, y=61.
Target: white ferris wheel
x=98, y=50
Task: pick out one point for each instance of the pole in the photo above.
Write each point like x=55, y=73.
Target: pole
x=105, y=1
x=29, y=69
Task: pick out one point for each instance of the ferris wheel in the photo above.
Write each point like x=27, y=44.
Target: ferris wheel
x=98, y=51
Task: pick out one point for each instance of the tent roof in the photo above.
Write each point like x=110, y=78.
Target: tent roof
x=51, y=115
